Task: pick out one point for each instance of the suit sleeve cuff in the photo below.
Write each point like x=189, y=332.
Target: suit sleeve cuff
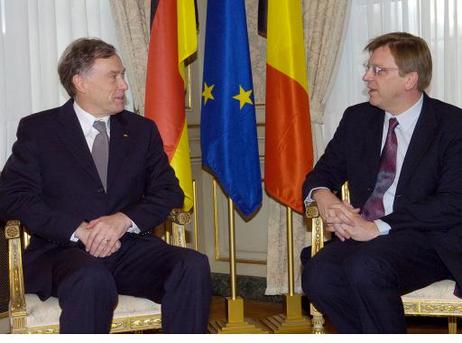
x=308, y=200
x=383, y=227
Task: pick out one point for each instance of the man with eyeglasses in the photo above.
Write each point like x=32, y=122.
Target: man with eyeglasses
x=401, y=153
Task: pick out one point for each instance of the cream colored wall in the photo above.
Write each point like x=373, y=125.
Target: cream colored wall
x=251, y=236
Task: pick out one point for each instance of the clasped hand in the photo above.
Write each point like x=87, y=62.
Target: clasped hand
x=343, y=219
x=101, y=236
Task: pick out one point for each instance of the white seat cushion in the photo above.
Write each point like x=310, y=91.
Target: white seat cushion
x=45, y=313
x=438, y=291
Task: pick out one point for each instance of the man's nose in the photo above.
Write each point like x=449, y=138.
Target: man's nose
x=368, y=75
x=123, y=84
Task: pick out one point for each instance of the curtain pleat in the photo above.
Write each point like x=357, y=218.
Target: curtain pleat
x=131, y=17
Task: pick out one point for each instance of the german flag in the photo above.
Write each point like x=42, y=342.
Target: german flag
x=173, y=41
x=288, y=140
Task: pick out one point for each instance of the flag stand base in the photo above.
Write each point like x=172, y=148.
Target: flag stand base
x=293, y=321
x=236, y=322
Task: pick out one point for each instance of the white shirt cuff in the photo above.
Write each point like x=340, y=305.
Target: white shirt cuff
x=308, y=200
x=383, y=227
x=74, y=238
x=133, y=228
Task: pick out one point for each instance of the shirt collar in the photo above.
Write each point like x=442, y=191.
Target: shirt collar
x=86, y=119
x=409, y=117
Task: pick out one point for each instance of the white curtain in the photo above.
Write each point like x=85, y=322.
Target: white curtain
x=33, y=35
x=439, y=22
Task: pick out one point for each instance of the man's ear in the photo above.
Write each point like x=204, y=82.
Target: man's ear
x=411, y=80
x=79, y=83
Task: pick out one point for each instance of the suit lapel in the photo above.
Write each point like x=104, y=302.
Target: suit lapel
x=421, y=139
x=118, y=147
x=71, y=135
x=374, y=145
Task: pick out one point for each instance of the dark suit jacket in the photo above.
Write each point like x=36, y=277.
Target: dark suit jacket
x=429, y=192
x=51, y=184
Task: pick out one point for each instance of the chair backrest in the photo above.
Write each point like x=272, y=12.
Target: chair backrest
x=345, y=192
x=4, y=290
x=25, y=239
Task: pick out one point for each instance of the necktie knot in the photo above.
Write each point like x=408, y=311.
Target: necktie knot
x=392, y=123
x=100, y=126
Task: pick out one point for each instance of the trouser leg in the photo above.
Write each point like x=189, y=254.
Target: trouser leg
x=86, y=292
x=179, y=278
x=326, y=287
x=362, y=292
x=187, y=295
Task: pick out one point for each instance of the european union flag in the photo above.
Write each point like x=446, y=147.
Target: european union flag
x=228, y=125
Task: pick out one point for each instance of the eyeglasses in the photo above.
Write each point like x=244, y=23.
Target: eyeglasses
x=376, y=70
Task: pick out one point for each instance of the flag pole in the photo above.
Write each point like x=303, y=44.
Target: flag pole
x=293, y=321
x=196, y=234
x=232, y=250
x=290, y=251
x=235, y=321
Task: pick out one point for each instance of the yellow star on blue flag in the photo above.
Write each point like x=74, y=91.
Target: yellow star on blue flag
x=243, y=97
x=207, y=93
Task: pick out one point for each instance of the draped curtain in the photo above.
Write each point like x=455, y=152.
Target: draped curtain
x=33, y=35
x=132, y=19
x=325, y=24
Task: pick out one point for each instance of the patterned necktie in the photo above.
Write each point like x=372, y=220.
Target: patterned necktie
x=100, y=151
x=373, y=208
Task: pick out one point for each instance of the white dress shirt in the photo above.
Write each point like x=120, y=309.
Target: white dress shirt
x=406, y=125
x=86, y=121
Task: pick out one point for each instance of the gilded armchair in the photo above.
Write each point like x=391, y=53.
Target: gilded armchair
x=435, y=300
x=28, y=314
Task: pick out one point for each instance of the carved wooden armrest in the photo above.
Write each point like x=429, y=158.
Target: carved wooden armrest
x=176, y=221
x=17, y=298
x=317, y=225
x=180, y=217
x=317, y=228
x=317, y=242
x=312, y=210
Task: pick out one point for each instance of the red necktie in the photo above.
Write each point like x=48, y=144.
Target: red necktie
x=373, y=208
